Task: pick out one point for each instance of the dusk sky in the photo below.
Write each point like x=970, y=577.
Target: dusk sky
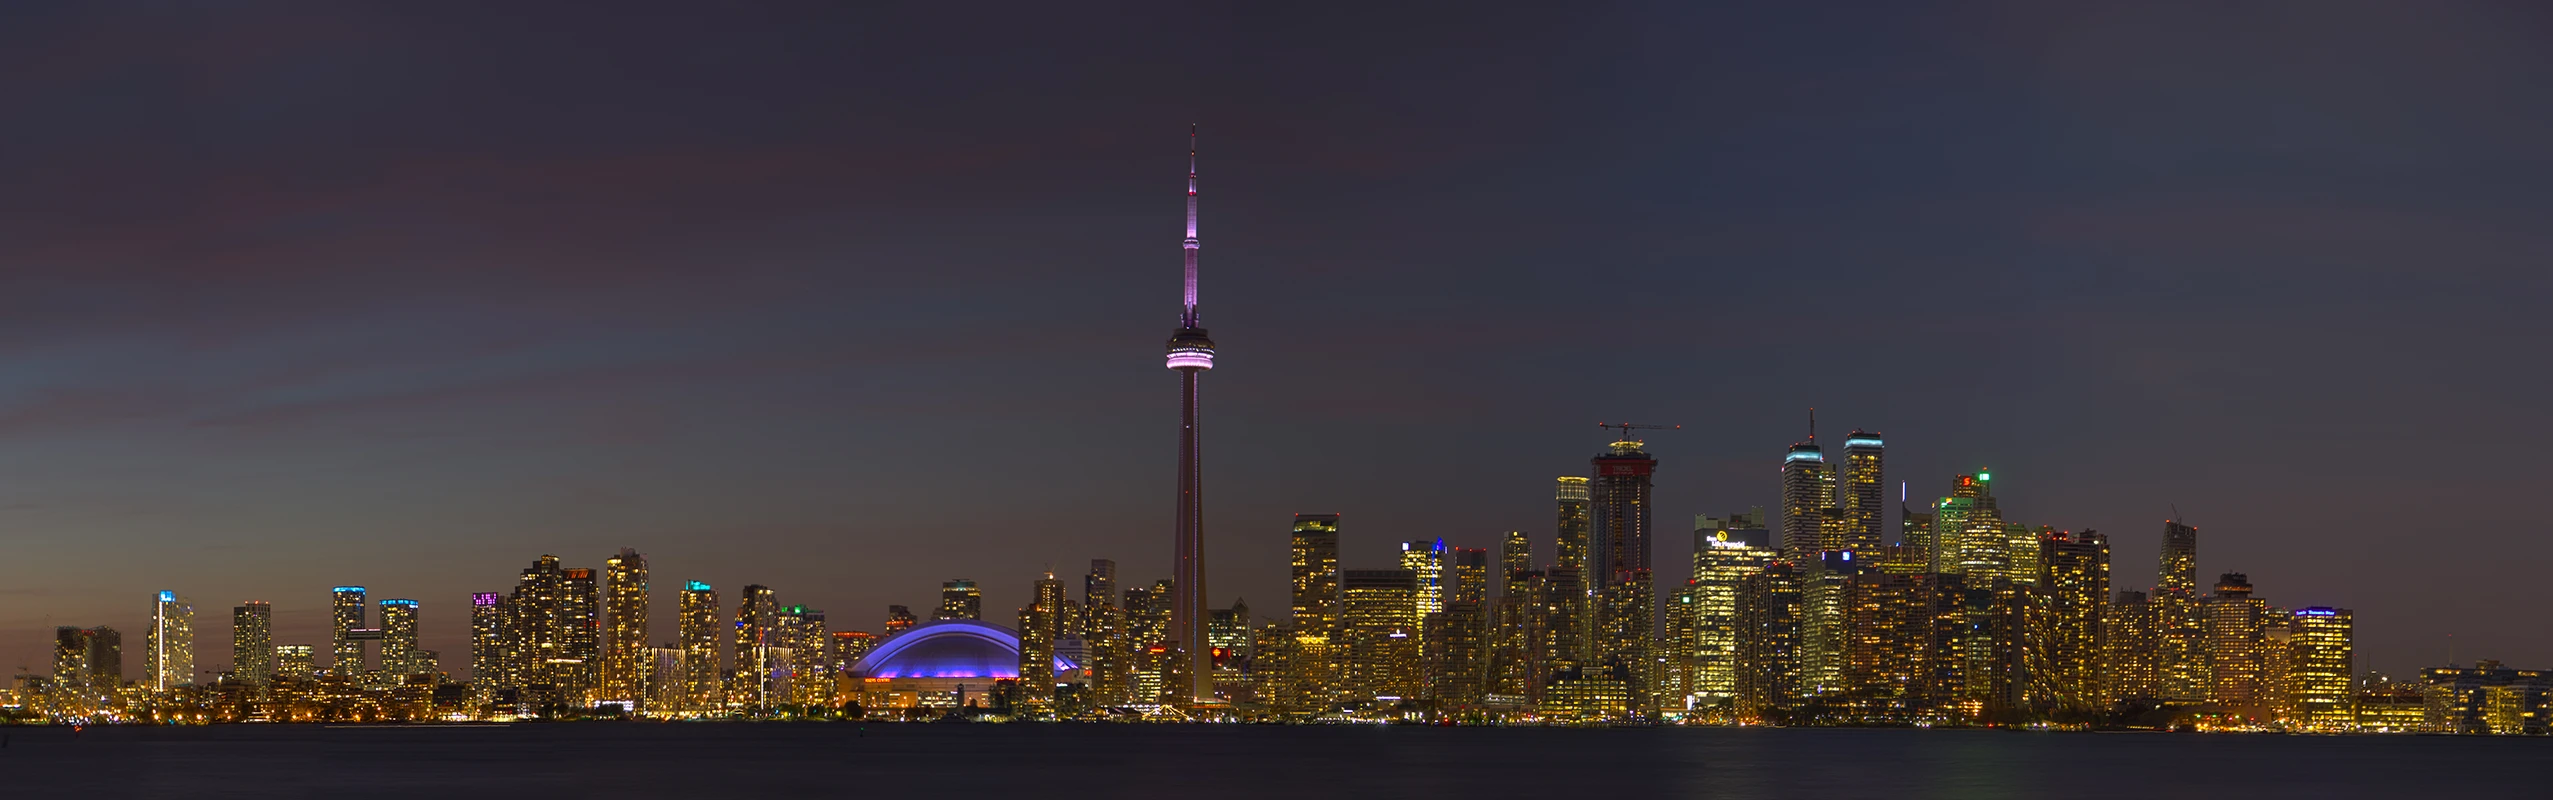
x=848, y=300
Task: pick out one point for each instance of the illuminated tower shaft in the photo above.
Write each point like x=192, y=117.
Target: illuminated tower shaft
x=1191, y=353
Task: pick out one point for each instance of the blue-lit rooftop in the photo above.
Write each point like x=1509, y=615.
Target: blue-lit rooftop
x=948, y=648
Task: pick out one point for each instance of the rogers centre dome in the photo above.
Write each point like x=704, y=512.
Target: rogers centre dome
x=948, y=648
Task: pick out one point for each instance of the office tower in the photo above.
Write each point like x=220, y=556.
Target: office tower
x=757, y=626
x=1968, y=531
x=252, y=643
x=1916, y=532
x=1889, y=623
x=959, y=599
x=1147, y=622
x=534, y=612
x=802, y=630
x=667, y=683
x=1455, y=676
x=1515, y=554
x=1826, y=597
x=2066, y=649
x=1228, y=639
x=1428, y=563
x=1111, y=666
x=487, y=645
x=1804, y=499
x=2132, y=643
x=2320, y=669
x=2021, y=546
x=1865, y=491
x=399, y=641
x=1622, y=576
x=625, y=627
x=1571, y=495
x=345, y=636
x=169, y=657
x=698, y=638
x=1768, y=641
x=1468, y=579
x=579, y=669
x=1191, y=353
x=2178, y=619
x=1379, y=621
x=1726, y=553
x=899, y=619
x=296, y=661
x=2233, y=645
x=1316, y=613
x=1568, y=624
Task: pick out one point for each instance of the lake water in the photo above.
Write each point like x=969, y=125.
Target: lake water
x=1007, y=762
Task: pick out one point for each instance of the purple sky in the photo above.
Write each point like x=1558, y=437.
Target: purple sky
x=848, y=300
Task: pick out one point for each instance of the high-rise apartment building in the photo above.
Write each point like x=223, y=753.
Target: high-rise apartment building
x=346, y=631
x=1889, y=621
x=959, y=599
x=1768, y=669
x=1570, y=494
x=252, y=643
x=625, y=658
x=899, y=619
x=2180, y=626
x=1467, y=575
x=1621, y=571
x=1970, y=523
x=1727, y=552
x=2234, y=646
x=399, y=653
x=2066, y=648
x=1864, y=488
x=757, y=634
x=698, y=638
x=2132, y=667
x=2320, y=669
x=1515, y=554
x=170, y=644
x=296, y=661
x=808, y=681
x=579, y=669
x=667, y=682
x=1110, y=669
x=1041, y=625
x=488, y=657
x=534, y=612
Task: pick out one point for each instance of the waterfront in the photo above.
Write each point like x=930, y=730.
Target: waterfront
x=848, y=760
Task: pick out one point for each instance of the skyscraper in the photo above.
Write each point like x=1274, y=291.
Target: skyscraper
x=2319, y=670
x=1620, y=572
x=73, y=668
x=2179, y=625
x=1379, y=610
x=2132, y=669
x=296, y=662
x=488, y=668
x=625, y=627
x=959, y=599
x=699, y=640
x=1768, y=668
x=2066, y=649
x=2233, y=645
x=1727, y=552
x=1570, y=494
x=1467, y=578
x=1804, y=501
x=757, y=629
x=1191, y=353
x=580, y=665
x=1041, y=625
x=899, y=619
x=1314, y=659
x=345, y=637
x=802, y=630
x=1865, y=492
x=1110, y=669
x=399, y=655
x=252, y=643
x=1427, y=561
x=170, y=644
x=534, y=648
x=1515, y=555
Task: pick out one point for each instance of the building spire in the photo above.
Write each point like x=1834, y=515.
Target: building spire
x=1812, y=424
x=1188, y=312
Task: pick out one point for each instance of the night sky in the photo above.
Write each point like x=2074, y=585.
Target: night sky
x=848, y=300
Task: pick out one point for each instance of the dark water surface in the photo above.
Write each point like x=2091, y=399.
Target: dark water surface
x=1004, y=762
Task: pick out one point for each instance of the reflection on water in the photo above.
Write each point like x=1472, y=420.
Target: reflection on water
x=1311, y=763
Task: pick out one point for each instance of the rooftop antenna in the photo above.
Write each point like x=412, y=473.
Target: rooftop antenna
x=1812, y=424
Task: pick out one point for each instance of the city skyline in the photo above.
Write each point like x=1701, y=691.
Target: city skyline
x=275, y=336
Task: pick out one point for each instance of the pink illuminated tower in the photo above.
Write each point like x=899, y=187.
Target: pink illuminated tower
x=1191, y=353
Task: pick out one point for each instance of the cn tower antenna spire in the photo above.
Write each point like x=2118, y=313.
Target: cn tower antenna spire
x=1188, y=317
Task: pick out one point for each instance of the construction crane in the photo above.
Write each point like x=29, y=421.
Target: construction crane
x=1628, y=427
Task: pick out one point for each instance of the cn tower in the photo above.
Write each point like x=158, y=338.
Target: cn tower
x=1191, y=353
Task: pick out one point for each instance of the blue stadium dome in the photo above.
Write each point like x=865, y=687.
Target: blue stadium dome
x=948, y=648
